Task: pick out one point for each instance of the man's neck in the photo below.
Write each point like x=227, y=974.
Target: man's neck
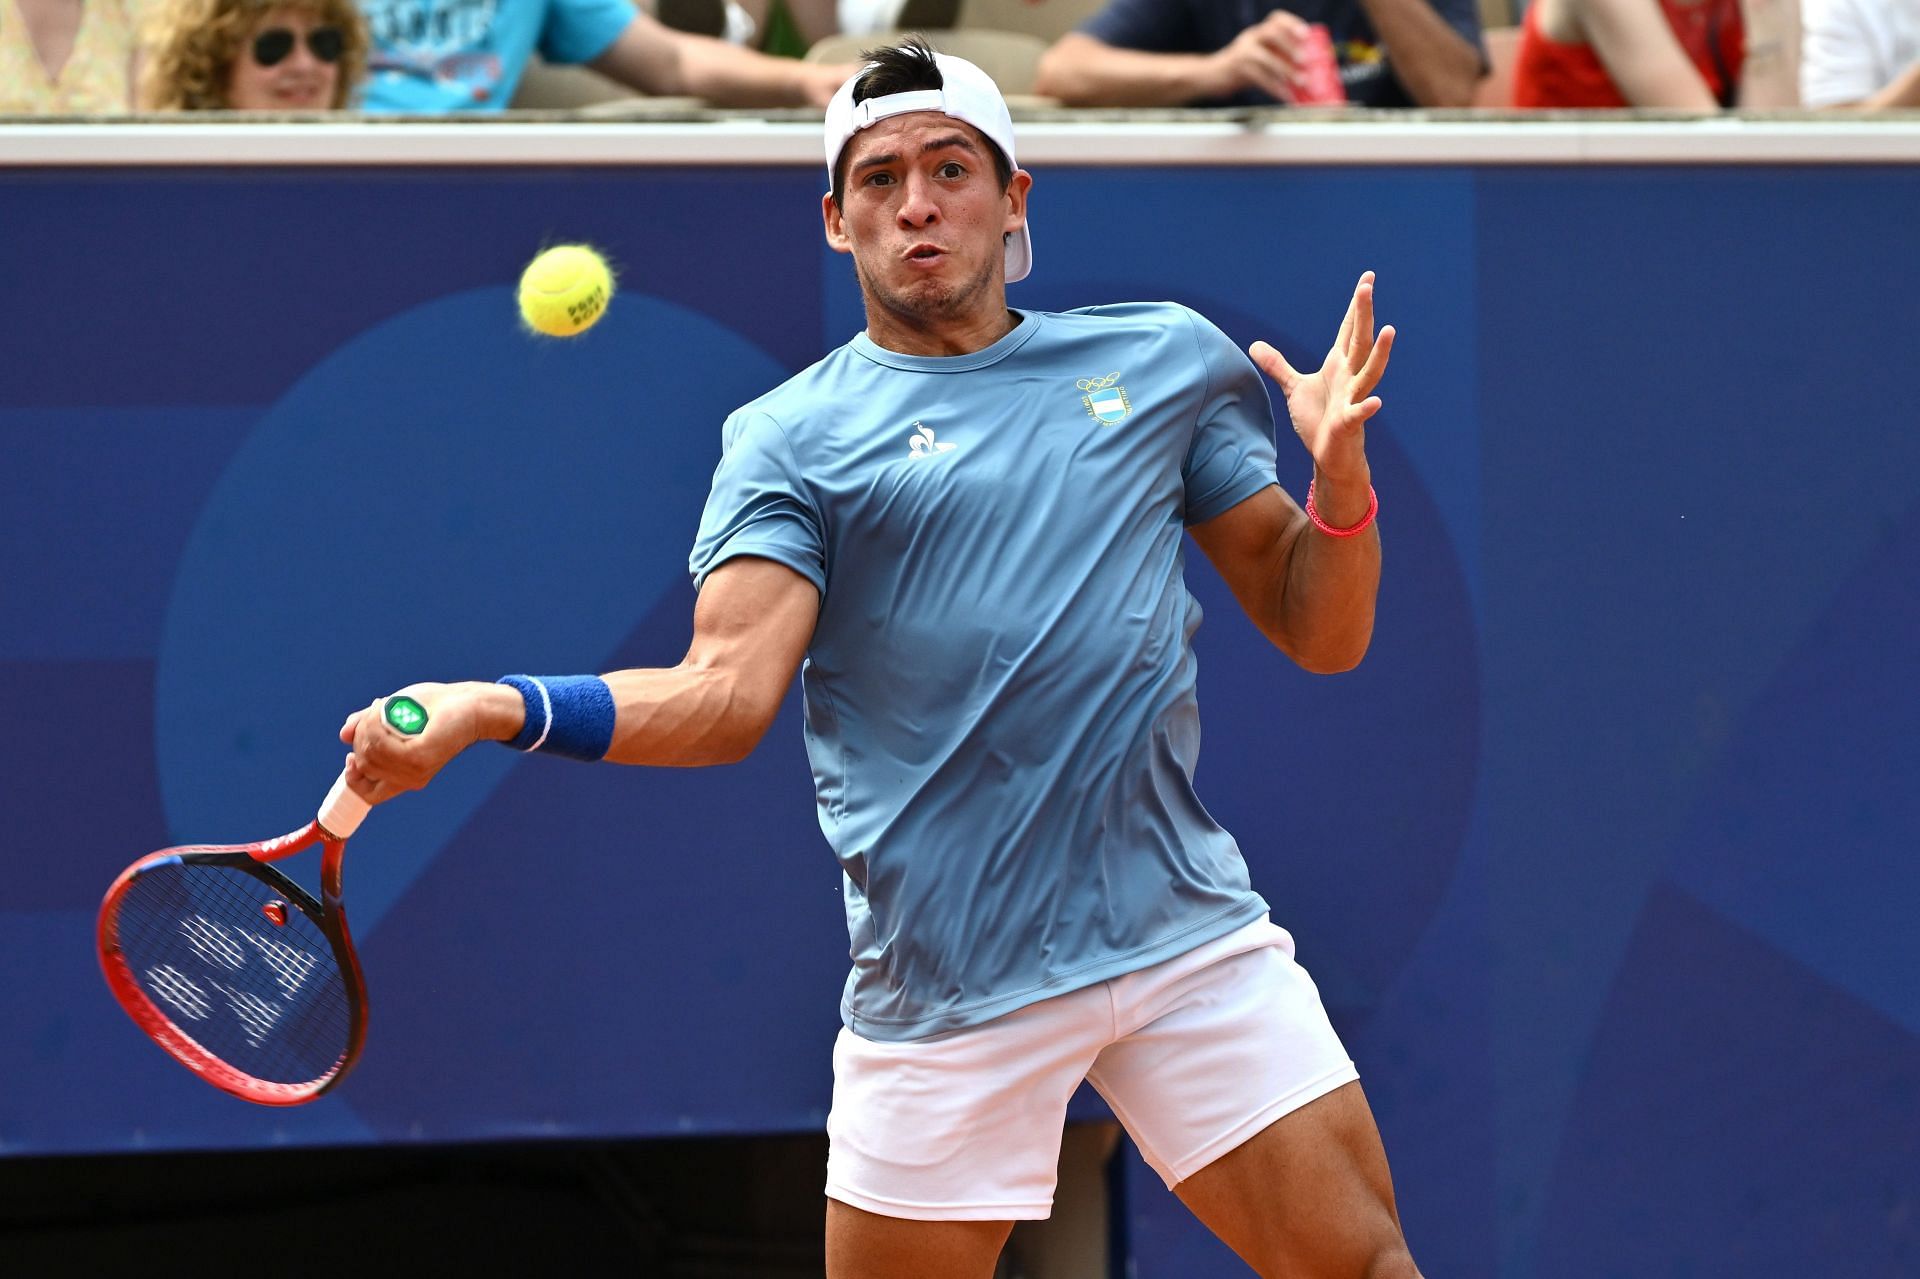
x=914, y=336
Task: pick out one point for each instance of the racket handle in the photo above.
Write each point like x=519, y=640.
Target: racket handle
x=342, y=810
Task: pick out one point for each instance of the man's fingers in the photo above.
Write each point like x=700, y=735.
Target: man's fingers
x=1261, y=70
x=373, y=749
x=359, y=779
x=1362, y=337
x=1361, y=303
x=1282, y=62
x=1359, y=413
x=385, y=777
x=366, y=724
x=1343, y=344
x=1270, y=362
x=347, y=729
x=1265, y=57
x=1289, y=28
x=362, y=783
x=1279, y=46
x=1370, y=373
x=1268, y=77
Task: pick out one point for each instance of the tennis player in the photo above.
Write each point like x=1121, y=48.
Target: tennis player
x=969, y=521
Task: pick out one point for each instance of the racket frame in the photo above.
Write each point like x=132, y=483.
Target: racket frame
x=328, y=915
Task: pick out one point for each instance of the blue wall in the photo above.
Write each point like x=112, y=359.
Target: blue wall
x=1604, y=861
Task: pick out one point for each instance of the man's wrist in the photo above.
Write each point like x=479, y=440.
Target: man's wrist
x=1212, y=76
x=499, y=711
x=1342, y=498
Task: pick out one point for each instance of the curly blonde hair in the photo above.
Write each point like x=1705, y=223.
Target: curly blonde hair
x=193, y=44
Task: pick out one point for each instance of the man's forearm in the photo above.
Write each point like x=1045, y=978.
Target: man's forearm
x=1439, y=66
x=1333, y=582
x=723, y=73
x=1082, y=71
x=686, y=716
x=655, y=60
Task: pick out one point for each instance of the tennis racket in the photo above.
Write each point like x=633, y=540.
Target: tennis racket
x=235, y=969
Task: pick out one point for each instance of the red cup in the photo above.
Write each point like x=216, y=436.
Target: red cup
x=1320, y=86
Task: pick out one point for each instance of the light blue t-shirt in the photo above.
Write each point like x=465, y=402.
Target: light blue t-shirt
x=999, y=693
x=431, y=56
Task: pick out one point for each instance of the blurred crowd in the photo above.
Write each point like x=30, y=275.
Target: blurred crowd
x=95, y=57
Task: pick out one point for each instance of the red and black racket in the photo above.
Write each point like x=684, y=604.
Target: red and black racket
x=237, y=970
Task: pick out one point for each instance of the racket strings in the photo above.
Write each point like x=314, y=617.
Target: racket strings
x=267, y=998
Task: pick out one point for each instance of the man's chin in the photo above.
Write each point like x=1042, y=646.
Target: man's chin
x=924, y=299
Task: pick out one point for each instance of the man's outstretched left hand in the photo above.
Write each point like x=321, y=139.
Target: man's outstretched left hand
x=1330, y=407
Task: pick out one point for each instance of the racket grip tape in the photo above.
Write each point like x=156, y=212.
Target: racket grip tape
x=342, y=811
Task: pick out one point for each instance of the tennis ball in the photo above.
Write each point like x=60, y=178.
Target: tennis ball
x=564, y=290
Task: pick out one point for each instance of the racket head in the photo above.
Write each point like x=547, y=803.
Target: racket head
x=236, y=970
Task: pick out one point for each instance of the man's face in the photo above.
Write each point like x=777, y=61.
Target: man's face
x=925, y=217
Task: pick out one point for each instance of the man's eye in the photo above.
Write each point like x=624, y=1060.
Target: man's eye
x=879, y=179
x=952, y=169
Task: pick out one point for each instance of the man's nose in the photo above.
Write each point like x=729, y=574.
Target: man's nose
x=920, y=207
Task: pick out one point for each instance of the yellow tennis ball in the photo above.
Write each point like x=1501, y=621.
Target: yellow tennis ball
x=564, y=290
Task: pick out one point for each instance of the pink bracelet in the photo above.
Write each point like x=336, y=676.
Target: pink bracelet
x=1373, y=509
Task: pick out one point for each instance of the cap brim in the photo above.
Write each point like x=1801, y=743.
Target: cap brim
x=1019, y=254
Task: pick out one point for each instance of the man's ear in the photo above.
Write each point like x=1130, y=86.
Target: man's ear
x=1017, y=188
x=835, y=225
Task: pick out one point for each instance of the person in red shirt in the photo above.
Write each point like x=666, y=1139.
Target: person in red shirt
x=1683, y=54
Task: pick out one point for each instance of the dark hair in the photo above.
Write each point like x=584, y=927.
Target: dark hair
x=907, y=67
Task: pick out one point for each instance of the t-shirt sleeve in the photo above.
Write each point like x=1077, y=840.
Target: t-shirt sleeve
x=1232, y=455
x=759, y=505
x=1156, y=26
x=1836, y=54
x=581, y=30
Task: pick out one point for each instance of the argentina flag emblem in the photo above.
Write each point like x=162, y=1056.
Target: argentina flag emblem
x=1106, y=401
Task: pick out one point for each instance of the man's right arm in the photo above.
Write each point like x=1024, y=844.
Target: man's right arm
x=656, y=59
x=751, y=626
x=1148, y=53
x=1084, y=72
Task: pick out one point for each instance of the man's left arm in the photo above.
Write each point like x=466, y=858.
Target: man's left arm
x=1439, y=65
x=656, y=59
x=1311, y=592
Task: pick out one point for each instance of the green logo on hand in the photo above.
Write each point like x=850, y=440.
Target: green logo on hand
x=406, y=715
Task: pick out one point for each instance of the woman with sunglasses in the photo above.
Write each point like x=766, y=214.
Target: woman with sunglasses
x=255, y=55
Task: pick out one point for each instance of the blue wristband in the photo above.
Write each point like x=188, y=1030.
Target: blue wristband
x=570, y=715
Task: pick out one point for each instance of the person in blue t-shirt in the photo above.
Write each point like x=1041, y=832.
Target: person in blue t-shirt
x=433, y=56
x=1169, y=53
x=967, y=528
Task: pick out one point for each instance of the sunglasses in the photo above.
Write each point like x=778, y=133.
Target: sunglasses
x=272, y=46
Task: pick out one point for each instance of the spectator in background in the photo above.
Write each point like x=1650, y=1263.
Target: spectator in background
x=254, y=55
x=1861, y=53
x=1689, y=55
x=67, y=57
x=1392, y=53
x=433, y=56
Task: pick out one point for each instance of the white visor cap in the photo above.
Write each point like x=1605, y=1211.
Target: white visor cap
x=967, y=94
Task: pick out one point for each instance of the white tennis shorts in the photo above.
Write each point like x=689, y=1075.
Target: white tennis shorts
x=1195, y=1055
